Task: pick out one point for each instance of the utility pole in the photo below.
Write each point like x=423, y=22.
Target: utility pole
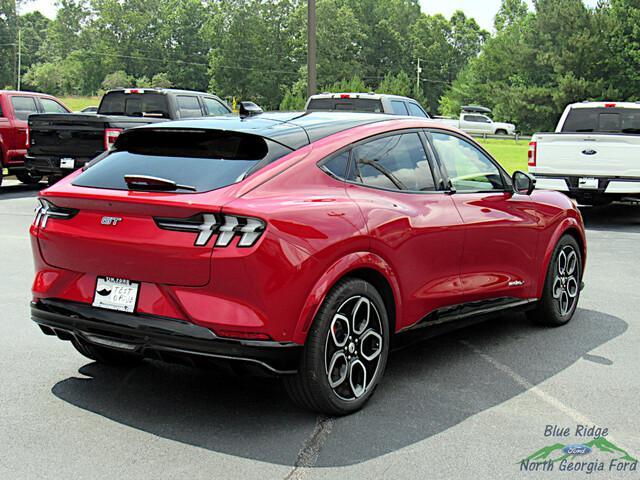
x=311, y=48
x=19, y=56
x=418, y=72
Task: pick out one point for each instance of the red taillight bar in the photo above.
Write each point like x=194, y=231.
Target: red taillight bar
x=110, y=137
x=609, y=105
x=532, y=154
x=345, y=95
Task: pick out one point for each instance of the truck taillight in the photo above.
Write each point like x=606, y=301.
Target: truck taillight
x=27, y=139
x=532, y=154
x=110, y=137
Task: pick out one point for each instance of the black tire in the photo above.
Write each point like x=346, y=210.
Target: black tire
x=28, y=178
x=52, y=179
x=107, y=356
x=551, y=310
x=501, y=132
x=1, y=174
x=310, y=388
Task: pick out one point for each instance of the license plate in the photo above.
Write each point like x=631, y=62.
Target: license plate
x=67, y=163
x=588, y=183
x=116, y=294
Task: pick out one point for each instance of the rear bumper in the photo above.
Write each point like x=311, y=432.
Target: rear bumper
x=158, y=337
x=570, y=184
x=48, y=165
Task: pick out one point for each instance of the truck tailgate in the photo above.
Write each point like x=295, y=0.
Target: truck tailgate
x=588, y=155
x=67, y=134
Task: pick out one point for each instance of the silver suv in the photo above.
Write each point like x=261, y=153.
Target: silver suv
x=365, y=102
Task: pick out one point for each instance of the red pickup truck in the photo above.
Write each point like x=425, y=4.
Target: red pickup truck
x=15, y=108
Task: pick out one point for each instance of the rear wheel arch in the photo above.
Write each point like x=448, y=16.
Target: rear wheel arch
x=362, y=265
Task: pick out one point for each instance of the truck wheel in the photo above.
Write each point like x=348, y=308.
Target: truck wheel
x=345, y=353
x=28, y=178
x=561, y=290
x=501, y=132
x=53, y=179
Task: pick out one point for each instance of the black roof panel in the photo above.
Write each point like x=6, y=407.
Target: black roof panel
x=292, y=129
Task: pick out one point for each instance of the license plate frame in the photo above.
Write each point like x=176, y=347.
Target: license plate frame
x=118, y=294
x=68, y=163
x=588, y=183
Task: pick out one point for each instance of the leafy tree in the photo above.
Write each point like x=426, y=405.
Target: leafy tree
x=511, y=12
x=119, y=79
x=399, y=84
x=161, y=80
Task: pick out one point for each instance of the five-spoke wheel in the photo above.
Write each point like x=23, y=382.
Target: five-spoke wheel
x=346, y=350
x=353, y=347
x=561, y=290
x=565, y=285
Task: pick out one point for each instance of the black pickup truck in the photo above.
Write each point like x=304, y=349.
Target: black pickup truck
x=62, y=143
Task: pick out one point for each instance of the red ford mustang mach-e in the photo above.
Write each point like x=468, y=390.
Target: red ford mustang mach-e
x=295, y=244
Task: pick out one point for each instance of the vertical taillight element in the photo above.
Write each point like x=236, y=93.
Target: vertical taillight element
x=48, y=210
x=27, y=139
x=110, y=137
x=532, y=154
x=206, y=225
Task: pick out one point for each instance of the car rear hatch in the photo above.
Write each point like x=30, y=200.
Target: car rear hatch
x=145, y=227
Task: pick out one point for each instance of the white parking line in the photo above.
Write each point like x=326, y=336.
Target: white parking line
x=531, y=388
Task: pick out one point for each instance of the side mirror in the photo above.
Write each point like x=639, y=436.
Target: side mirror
x=523, y=183
x=249, y=109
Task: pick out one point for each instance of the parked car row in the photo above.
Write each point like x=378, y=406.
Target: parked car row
x=15, y=109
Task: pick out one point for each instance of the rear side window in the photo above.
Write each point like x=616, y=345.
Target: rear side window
x=23, y=107
x=399, y=108
x=213, y=107
x=51, y=106
x=188, y=106
x=416, y=111
x=203, y=159
x=345, y=104
x=337, y=165
x=149, y=104
x=607, y=120
x=396, y=162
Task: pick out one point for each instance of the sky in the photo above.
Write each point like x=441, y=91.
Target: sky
x=482, y=10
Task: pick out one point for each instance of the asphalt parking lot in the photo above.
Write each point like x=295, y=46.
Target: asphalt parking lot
x=469, y=404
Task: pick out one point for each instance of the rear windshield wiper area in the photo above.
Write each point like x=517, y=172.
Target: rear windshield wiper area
x=148, y=183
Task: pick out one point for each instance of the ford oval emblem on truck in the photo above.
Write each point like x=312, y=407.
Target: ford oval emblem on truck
x=589, y=152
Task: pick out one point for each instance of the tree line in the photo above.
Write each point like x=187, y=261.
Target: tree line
x=527, y=70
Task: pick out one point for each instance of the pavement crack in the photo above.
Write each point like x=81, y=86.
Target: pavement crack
x=308, y=454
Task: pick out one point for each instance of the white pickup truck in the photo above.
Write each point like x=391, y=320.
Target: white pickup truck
x=476, y=120
x=594, y=154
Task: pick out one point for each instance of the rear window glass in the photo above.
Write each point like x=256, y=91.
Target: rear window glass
x=188, y=106
x=23, y=107
x=135, y=104
x=346, y=104
x=399, y=108
x=205, y=160
x=607, y=120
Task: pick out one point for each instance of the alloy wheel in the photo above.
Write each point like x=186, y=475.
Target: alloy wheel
x=566, y=282
x=353, y=348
